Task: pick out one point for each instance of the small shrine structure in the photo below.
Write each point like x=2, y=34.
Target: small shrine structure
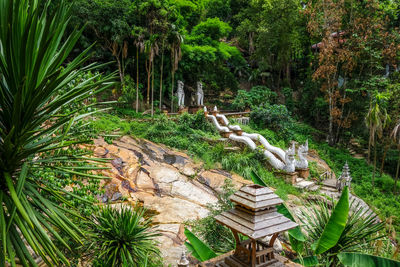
x=344, y=179
x=255, y=216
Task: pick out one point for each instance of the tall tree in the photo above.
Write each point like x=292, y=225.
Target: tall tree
x=175, y=41
x=396, y=137
x=351, y=44
x=111, y=22
x=376, y=120
x=138, y=35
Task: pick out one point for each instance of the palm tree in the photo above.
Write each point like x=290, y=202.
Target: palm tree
x=176, y=40
x=138, y=35
x=376, y=120
x=395, y=136
x=33, y=70
x=151, y=48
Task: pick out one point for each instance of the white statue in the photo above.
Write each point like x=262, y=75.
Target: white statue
x=181, y=94
x=289, y=159
x=205, y=109
x=200, y=94
x=215, y=109
x=302, y=152
x=387, y=70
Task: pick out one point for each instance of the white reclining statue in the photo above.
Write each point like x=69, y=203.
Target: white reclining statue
x=286, y=160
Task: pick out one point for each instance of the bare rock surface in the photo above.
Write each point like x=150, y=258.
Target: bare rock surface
x=166, y=181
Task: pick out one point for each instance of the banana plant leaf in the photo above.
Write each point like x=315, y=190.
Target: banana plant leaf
x=336, y=224
x=295, y=232
x=365, y=260
x=198, y=249
x=256, y=178
x=307, y=261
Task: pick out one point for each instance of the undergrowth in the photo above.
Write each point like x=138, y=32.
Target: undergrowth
x=195, y=135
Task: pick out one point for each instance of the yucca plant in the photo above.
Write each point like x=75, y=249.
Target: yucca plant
x=33, y=70
x=124, y=236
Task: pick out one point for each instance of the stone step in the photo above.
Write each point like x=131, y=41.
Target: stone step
x=314, y=188
x=298, y=180
x=330, y=189
x=330, y=183
x=304, y=184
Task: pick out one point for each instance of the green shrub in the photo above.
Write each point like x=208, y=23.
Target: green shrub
x=218, y=237
x=275, y=117
x=128, y=92
x=124, y=237
x=257, y=96
x=197, y=122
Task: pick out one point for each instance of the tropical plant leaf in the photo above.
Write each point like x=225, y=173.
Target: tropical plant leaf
x=202, y=251
x=307, y=261
x=256, y=178
x=295, y=232
x=365, y=260
x=336, y=224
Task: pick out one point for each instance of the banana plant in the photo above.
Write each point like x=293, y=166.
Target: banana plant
x=198, y=248
x=334, y=233
x=365, y=260
x=33, y=128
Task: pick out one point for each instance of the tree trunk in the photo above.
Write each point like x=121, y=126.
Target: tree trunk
x=152, y=88
x=120, y=70
x=148, y=69
x=397, y=175
x=383, y=159
x=373, y=175
x=369, y=148
x=330, y=131
x=137, y=79
x=172, y=90
x=161, y=77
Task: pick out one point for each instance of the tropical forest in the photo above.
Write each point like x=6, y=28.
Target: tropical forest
x=177, y=133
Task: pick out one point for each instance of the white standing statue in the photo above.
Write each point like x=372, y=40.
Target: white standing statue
x=200, y=94
x=181, y=94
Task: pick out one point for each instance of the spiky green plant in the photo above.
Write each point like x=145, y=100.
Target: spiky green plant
x=33, y=69
x=125, y=237
x=362, y=227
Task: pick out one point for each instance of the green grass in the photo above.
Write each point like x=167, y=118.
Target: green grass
x=189, y=133
x=194, y=135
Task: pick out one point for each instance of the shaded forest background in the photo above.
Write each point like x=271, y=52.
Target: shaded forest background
x=333, y=64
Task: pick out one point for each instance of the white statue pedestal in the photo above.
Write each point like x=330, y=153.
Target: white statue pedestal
x=290, y=177
x=303, y=173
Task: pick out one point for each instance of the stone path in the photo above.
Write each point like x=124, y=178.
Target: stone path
x=165, y=181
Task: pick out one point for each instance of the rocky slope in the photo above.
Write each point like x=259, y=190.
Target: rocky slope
x=167, y=182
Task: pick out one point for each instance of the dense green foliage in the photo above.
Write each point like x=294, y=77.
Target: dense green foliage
x=324, y=71
x=34, y=131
